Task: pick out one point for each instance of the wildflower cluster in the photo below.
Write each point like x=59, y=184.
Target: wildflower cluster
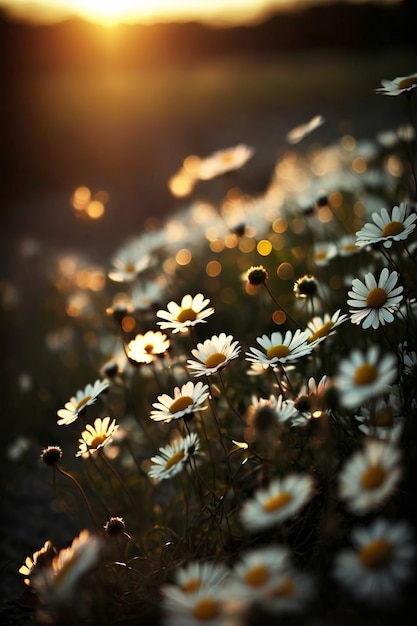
x=246, y=451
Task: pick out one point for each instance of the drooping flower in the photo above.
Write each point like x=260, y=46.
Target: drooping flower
x=279, y=348
x=146, y=348
x=180, y=317
x=213, y=355
x=380, y=562
x=387, y=228
x=370, y=476
x=81, y=401
x=185, y=401
x=171, y=459
x=95, y=437
x=374, y=303
x=364, y=375
x=399, y=85
x=279, y=501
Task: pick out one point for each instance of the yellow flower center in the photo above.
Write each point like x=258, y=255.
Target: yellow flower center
x=383, y=418
x=130, y=268
x=376, y=298
x=365, y=374
x=206, y=610
x=82, y=402
x=373, y=477
x=350, y=247
x=405, y=83
x=285, y=589
x=174, y=459
x=376, y=554
x=392, y=228
x=215, y=359
x=278, y=351
x=227, y=157
x=257, y=576
x=180, y=404
x=149, y=348
x=97, y=441
x=277, y=502
x=323, y=331
x=191, y=585
x=187, y=315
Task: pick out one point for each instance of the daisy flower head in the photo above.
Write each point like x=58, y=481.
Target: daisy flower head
x=321, y=327
x=290, y=592
x=374, y=303
x=256, y=275
x=323, y=253
x=171, y=459
x=379, y=563
x=82, y=399
x=370, y=476
x=280, y=500
x=364, y=375
x=180, y=317
x=213, y=355
x=224, y=161
x=129, y=262
x=280, y=348
x=310, y=401
x=148, y=347
x=95, y=437
x=58, y=583
x=399, y=85
x=383, y=417
x=185, y=401
x=387, y=228
x=41, y=559
x=409, y=361
x=346, y=246
x=306, y=287
x=200, y=574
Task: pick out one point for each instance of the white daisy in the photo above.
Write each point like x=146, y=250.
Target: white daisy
x=310, y=401
x=210, y=606
x=146, y=348
x=280, y=349
x=171, y=459
x=213, y=355
x=380, y=562
x=374, y=303
x=383, y=417
x=397, y=86
x=323, y=252
x=258, y=569
x=346, y=246
x=82, y=399
x=387, y=228
x=95, y=437
x=279, y=501
x=190, y=312
x=289, y=593
x=321, y=327
x=364, y=375
x=200, y=574
x=224, y=161
x=129, y=262
x=186, y=400
x=370, y=476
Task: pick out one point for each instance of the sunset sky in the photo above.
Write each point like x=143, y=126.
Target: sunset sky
x=112, y=12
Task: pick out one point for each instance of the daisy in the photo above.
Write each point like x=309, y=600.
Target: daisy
x=224, y=161
x=346, y=246
x=323, y=253
x=148, y=295
x=186, y=400
x=146, y=348
x=409, y=361
x=258, y=569
x=401, y=84
x=213, y=355
x=370, y=476
x=364, y=375
x=319, y=328
x=387, y=228
x=41, y=558
x=382, y=419
x=280, y=349
x=80, y=401
x=95, y=437
x=289, y=593
x=264, y=413
x=379, y=563
x=190, y=312
x=310, y=401
x=210, y=605
x=280, y=500
x=171, y=459
x=129, y=262
x=56, y=584
x=200, y=574
x=376, y=301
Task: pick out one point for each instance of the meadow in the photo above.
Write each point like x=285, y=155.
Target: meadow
x=210, y=400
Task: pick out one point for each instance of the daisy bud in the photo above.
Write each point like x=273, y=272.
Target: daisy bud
x=257, y=275
x=115, y=526
x=51, y=455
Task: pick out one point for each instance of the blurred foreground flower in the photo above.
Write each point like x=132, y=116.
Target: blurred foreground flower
x=397, y=86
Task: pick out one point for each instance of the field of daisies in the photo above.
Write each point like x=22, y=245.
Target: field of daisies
x=245, y=450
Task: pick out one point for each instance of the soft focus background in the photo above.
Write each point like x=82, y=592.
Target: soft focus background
x=116, y=108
